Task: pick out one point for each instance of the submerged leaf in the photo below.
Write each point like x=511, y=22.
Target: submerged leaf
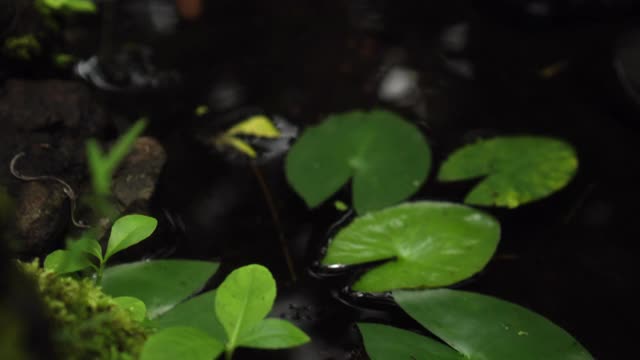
x=517, y=169
x=427, y=244
x=160, y=284
x=387, y=157
x=483, y=327
x=181, y=343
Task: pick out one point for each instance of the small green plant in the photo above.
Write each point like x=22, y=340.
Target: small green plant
x=472, y=326
x=87, y=252
x=241, y=304
x=102, y=166
x=386, y=157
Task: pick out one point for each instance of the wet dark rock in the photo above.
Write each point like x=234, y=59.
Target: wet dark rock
x=40, y=215
x=51, y=104
x=135, y=181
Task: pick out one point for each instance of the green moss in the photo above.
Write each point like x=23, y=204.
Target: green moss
x=87, y=323
x=24, y=47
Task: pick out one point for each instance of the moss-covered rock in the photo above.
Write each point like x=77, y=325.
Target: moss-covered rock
x=87, y=324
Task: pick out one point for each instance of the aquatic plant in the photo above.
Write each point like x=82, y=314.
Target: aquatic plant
x=427, y=244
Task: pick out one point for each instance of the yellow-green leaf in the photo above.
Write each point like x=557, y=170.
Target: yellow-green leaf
x=237, y=144
x=258, y=125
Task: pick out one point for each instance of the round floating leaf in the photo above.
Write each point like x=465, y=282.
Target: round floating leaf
x=428, y=244
x=181, y=343
x=483, y=327
x=386, y=342
x=160, y=284
x=387, y=157
x=274, y=334
x=128, y=231
x=517, y=169
x=243, y=300
x=197, y=312
x=134, y=306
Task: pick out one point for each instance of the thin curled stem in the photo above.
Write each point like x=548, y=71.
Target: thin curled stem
x=66, y=188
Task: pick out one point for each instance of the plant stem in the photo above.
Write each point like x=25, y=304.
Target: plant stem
x=276, y=219
x=99, y=273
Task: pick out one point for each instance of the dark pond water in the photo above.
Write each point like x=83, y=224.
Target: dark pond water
x=459, y=71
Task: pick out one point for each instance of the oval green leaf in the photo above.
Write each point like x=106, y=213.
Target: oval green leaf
x=181, y=343
x=517, y=169
x=274, y=334
x=385, y=342
x=483, y=327
x=134, y=306
x=197, y=312
x=128, y=231
x=160, y=284
x=66, y=261
x=428, y=244
x=387, y=157
x=243, y=300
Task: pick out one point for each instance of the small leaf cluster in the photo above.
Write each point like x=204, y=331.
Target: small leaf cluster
x=87, y=252
x=241, y=304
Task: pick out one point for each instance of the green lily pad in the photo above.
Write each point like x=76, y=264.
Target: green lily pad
x=428, y=244
x=483, y=327
x=160, y=284
x=386, y=342
x=516, y=170
x=387, y=157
